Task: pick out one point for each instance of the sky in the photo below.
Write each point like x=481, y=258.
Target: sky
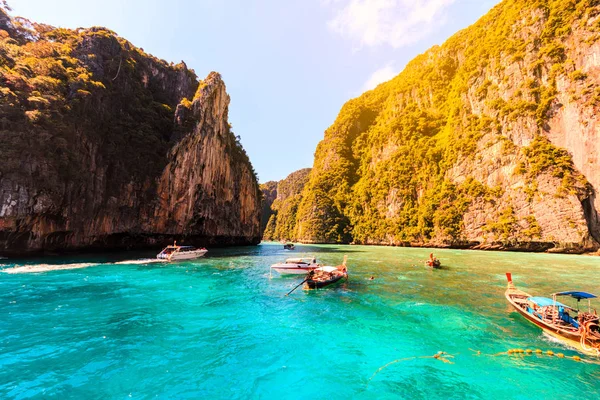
x=289, y=65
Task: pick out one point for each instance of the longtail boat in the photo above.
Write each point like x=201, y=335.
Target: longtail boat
x=433, y=262
x=325, y=276
x=576, y=328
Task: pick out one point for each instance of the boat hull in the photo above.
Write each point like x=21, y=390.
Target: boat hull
x=287, y=270
x=318, y=284
x=571, y=339
x=190, y=255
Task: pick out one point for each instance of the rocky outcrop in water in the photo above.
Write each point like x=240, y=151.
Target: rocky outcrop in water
x=488, y=141
x=105, y=146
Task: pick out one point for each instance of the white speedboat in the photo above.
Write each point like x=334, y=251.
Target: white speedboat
x=296, y=266
x=174, y=252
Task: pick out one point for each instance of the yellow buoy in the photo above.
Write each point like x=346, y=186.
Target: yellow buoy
x=576, y=358
x=538, y=351
x=550, y=352
x=528, y=351
x=560, y=355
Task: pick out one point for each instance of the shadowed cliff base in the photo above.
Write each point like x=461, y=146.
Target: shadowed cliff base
x=528, y=247
x=59, y=243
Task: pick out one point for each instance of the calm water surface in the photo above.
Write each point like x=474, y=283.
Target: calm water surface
x=218, y=327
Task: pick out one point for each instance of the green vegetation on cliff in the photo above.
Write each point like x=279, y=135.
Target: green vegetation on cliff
x=387, y=169
x=283, y=214
x=57, y=83
x=269, y=194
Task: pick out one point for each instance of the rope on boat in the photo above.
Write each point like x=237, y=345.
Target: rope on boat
x=537, y=352
x=440, y=355
x=587, y=330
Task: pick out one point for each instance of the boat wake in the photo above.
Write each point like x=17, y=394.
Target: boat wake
x=38, y=268
x=554, y=341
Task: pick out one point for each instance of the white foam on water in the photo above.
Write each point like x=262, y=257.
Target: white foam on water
x=37, y=268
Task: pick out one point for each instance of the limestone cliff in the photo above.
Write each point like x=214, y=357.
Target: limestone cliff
x=489, y=141
x=105, y=146
x=269, y=194
x=282, y=222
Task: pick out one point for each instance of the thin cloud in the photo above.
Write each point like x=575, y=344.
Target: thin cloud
x=381, y=75
x=397, y=23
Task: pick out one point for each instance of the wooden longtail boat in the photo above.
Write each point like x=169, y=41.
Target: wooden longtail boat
x=433, y=262
x=325, y=276
x=577, y=329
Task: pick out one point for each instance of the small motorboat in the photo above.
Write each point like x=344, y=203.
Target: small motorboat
x=289, y=246
x=296, y=266
x=175, y=252
x=433, y=262
x=575, y=328
x=325, y=276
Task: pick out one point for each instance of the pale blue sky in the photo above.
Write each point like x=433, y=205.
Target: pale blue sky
x=289, y=66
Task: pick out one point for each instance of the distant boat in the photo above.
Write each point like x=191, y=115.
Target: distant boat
x=175, y=252
x=325, y=276
x=433, y=262
x=296, y=266
x=289, y=246
x=577, y=329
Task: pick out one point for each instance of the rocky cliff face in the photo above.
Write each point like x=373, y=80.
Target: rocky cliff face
x=282, y=222
x=269, y=194
x=105, y=146
x=488, y=141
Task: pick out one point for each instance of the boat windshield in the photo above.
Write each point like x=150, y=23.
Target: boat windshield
x=187, y=248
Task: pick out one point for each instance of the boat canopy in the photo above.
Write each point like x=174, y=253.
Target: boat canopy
x=546, y=302
x=186, y=247
x=577, y=295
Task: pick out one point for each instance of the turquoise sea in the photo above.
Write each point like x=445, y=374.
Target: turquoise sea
x=94, y=327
